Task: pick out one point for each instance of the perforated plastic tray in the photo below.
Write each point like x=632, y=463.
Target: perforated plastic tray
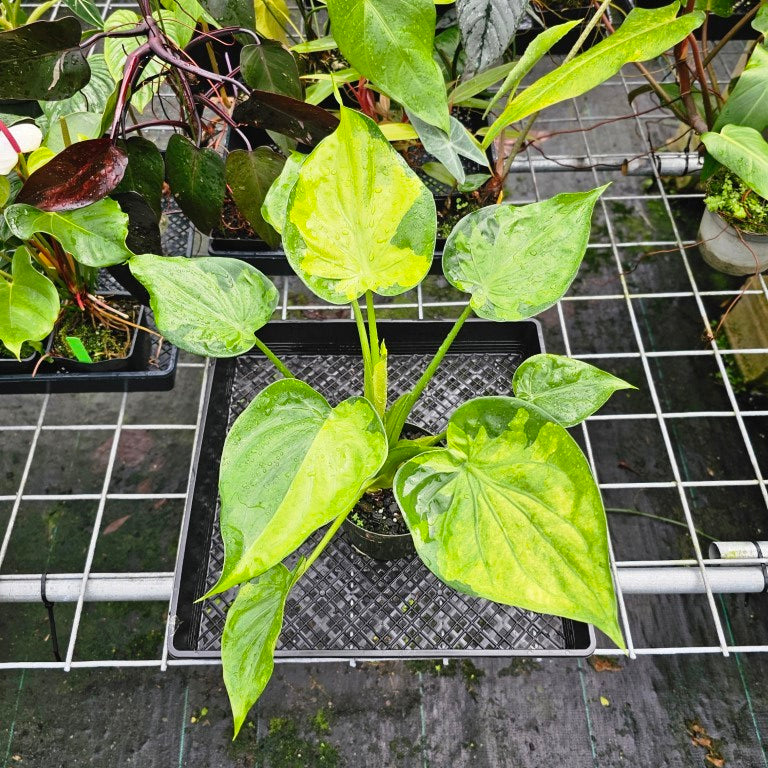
x=349, y=606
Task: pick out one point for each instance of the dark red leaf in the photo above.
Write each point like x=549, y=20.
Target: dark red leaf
x=296, y=119
x=81, y=174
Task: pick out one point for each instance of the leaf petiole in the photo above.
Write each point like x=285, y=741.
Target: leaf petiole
x=274, y=359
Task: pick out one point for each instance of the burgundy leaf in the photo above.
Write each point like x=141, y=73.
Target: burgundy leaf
x=296, y=119
x=81, y=174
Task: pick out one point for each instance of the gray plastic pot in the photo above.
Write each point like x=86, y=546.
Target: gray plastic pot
x=731, y=251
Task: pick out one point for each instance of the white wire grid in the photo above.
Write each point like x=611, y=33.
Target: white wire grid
x=720, y=638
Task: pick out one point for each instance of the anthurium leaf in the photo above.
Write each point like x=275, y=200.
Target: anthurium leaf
x=249, y=176
x=209, y=306
x=291, y=464
x=747, y=103
x=270, y=67
x=326, y=43
x=94, y=235
x=509, y=511
x=197, y=180
x=743, y=151
x=473, y=181
x=390, y=42
x=87, y=11
x=516, y=261
x=145, y=172
x=375, y=231
x=29, y=304
x=760, y=22
x=450, y=148
x=79, y=126
x=306, y=123
x=722, y=8
x=188, y=12
x=276, y=201
x=644, y=34
x=272, y=18
x=250, y=635
x=81, y=174
x=232, y=13
x=92, y=98
x=487, y=28
x=568, y=390
x=403, y=450
x=42, y=61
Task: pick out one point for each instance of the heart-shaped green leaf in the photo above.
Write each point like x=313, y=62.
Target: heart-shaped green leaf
x=250, y=635
x=391, y=42
x=249, y=176
x=568, y=390
x=29, y=304
x=196, y=177
x=743, y=151
x=270, y=67
x=94, y=235
x=275, y=203
x=291, y=464
x=516, y=261
x=358, y=217
x=209, y=306
x=510, y=511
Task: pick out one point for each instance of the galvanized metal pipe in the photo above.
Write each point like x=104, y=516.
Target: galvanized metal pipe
x=666, y=163
x=101, y=587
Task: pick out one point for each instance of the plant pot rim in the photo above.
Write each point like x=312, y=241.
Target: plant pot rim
x=758, y=236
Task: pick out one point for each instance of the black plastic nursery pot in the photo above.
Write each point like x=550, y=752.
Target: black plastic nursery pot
x=350, y=605
x=149, y=365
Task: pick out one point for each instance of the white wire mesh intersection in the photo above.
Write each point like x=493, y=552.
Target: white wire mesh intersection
x=721, y=639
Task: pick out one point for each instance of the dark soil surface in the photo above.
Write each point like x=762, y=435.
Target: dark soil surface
x=378, y=512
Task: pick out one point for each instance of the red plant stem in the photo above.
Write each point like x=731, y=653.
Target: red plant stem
x=702, y=78
x=225, y=117
x=134, y=64
x=159, y=123
x=684, y=78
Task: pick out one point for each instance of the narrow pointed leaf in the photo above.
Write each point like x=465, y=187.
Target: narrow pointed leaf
x=209, y=306
x=82, y=174
x=249, y=176
x=516, y=261
x=197, y=180
x=487, y=28
x=87, y=11
x=270, y=67
x=274, y=208
x=373, y=230
x=509, y=511
x=29, y=304
x=743, y=151
x=568, y=390
x=250, y=635
x=391, y=42
x=643, y=35
x=94, y=235
x=42, y=61
x=305, y=123
x=291, y=464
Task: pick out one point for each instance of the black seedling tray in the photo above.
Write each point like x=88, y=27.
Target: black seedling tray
x=158, y=376
x=350, y=606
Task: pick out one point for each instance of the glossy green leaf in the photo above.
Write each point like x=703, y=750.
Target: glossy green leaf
x=568, y=390
x=447, y=46
x=722, y=8
x=80, y=126
x=197, y=180
x=249, y=176
x=270, y=67
x=509, y=511
x=92, y=98
x=5, y=190
x=187, y=12
x=87, y=11
x=516, y=261
x=145, y=172
x=540, y=45
x=42, y=61
x=760, y=22
x=358, y=217
x=643, y=35
x=232, y=13
x=474, y=181
x=94, y=235
x=479, y=82
x=29, y=304
x=487, y=28
x=291, y=464
x=275, y=204
x=743, y=151
x=326, y=43
x=390, y=42
x=747, y=104
x=250, y=635
x=116, y=50
x=210, y=306
x=439, y=172
x=450, y=148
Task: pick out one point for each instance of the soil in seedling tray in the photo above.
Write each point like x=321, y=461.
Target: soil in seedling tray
x=378, y=512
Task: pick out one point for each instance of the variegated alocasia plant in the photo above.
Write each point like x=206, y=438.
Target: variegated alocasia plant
x=507, y=509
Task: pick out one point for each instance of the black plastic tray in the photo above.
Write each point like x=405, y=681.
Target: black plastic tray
x=159, y=376
x=350, y=606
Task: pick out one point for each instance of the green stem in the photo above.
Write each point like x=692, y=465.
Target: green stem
x=274, y=359
x=661, y=519
x=323, y=543
x=40, y=11
x=5, y=274
x=365, y=348
x=372, y=330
